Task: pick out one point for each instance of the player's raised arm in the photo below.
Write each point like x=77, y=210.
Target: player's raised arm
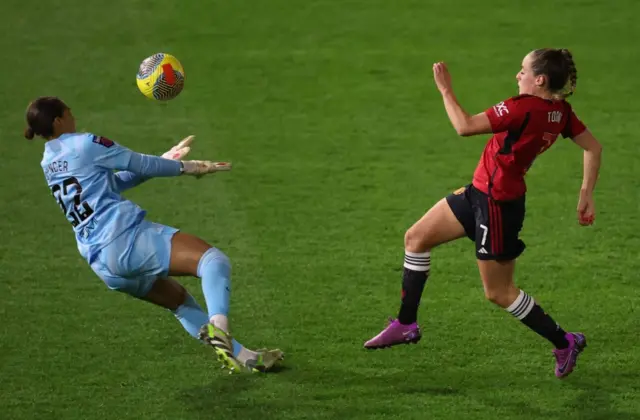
x=107, y=154
x=126, y=179
x=464, y=123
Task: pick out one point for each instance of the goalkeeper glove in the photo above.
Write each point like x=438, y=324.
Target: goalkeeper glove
x=203, y=167
x=180, y=150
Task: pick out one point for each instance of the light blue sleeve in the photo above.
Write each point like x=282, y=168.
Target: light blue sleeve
x=107, y=154
x=126, y=180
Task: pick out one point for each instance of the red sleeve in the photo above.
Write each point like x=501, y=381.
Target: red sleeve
x=506, y=115
x=573, y=127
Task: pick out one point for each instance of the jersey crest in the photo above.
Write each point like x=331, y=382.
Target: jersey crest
x=103, y=141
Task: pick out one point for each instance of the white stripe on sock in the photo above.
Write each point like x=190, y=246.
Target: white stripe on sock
x=417, y=261
x=417, y=254
x=521, y=307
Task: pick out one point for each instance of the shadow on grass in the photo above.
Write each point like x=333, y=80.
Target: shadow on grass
x=353, y=393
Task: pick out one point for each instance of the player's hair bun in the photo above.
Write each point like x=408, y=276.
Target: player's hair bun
x=29, y=134
x=572, y=80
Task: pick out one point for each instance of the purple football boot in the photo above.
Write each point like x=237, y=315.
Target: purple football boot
x=566, y=358
x=395, y=333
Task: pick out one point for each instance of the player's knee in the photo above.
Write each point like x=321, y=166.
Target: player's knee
x=415, y=241
x=214, y=260
x=222, y=258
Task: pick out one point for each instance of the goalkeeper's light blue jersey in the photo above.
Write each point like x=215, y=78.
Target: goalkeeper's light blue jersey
x=80, y=171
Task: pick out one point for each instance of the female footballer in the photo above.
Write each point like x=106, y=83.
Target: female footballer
x=129, y=253
x=490, y=210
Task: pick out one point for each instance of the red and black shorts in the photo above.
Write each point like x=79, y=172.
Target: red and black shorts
x=493, y=225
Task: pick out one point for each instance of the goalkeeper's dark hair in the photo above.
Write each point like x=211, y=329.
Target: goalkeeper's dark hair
x=41, y=114
x=559, y=68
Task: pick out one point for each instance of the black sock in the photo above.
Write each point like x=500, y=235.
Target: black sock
x=531, y=314
x=414, y=277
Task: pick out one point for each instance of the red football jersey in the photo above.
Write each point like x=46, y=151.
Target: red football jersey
x=524, y=126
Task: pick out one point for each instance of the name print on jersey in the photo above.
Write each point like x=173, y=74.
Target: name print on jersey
x=55, y=167
x=555, y=116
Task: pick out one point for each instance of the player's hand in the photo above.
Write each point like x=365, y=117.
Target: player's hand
x=199, y=168
x=442, y=77
x=180, y=150
x=586, y=209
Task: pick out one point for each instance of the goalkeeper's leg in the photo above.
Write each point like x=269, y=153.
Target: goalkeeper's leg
x=138, y=263
x=170, y=294
x=191, y=255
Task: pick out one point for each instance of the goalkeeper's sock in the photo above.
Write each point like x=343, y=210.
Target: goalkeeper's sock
x=192, y=318
x=214, y=269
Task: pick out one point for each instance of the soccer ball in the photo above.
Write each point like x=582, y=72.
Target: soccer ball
x=160, y=77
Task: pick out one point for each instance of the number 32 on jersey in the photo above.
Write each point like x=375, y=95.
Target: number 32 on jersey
x=69, y=191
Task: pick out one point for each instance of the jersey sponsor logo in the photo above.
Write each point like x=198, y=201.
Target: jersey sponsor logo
x=500, y=109
x=103, y=141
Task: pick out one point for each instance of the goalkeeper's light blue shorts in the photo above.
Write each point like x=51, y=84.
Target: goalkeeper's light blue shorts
x=134, y=260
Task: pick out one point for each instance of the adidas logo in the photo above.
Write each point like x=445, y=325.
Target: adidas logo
x=483, y=251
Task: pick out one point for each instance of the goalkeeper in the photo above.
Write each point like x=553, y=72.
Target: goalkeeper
x=129, y=253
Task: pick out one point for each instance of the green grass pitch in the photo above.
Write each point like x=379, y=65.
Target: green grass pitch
x=340, y=142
